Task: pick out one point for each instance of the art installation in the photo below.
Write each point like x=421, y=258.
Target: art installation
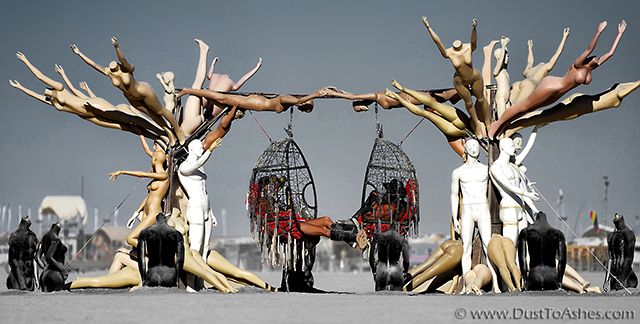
x=282, y=198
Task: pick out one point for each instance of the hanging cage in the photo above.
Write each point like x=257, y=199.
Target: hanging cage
x=390, y=193
x=281, y=194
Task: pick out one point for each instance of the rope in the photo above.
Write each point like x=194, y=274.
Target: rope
x=414, y=128
x=105, y=221
x=576, y=235
x=265, y=132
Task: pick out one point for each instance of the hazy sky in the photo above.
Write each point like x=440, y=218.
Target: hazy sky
x=358, y=47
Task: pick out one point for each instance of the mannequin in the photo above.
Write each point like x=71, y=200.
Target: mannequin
x=54, y=274
x=444, y=259
x=622, y=242
x=125, y=277
x=45, y=244
x=257, y=102
x=575, y=106
x=508, y=180
x=384, y=259
x=534, y=74
x=167, y=80
x=93, y=109
x=361, y=102
x=157, y=190
x=466, y=76
x=451, y=121
x=165, y=254
x=477, y=278
x=502, y=76
x=139, y=94
x=193, y=115
x=545, y=244
x=22, y=254
x=216, y=267
x=193, y=179
x=471, y=180
x=502, y=253
x=551, y=88
x=223, y=83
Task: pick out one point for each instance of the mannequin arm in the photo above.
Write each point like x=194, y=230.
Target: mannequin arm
x=30, y=93
x=164, y=85
x=213, y=64
x=126, y=66
x=554, y=58
x=562, y=260
x=145, y=146
x=179, y=258
x=189, y=166
x=139, y=174
x=455, y=199
x=525, y=151
x=591, y=47
x=621, y=27
x=75, y=91
x=436, y=39
x=84, y=86
x=500, y=60
x=53, y=263
x=247, y=76
x=474, y=35
x=500, y=179
x=406, y=254
x=39, y=256
x=529, y=58
x=87, y=60
x=50, y=82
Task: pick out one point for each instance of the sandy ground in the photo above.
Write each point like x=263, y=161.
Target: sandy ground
x=351, y=299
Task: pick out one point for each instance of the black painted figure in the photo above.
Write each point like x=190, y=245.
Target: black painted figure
x=54, y=274
x=622, y=242
x=164, y=248
x=545, y=244
x=22, y=252
x=384, y=259
x=45, y=243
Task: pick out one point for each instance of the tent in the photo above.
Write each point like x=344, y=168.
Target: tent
x=65, y=207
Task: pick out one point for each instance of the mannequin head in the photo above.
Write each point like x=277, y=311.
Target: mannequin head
x=114, y=66
x=195, y=147
x=168, y=77
x=506, y=146
x=517, y=141
x=457, y=44
x=472, y=147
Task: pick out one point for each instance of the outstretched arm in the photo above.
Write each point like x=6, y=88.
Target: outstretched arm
x=75, y=91
x=554, y=58
x=436, y=39
x=84, y=86
x=474, y=35
x=525, y=151
x=500, y=60
x=246, y=76
x=140, y=174
x=164, y=85
x=126, y=66
x=30, y=93
x=54, y=84
x=145, y=146
x=621, y=27
x=87, y=60
x=213, y=65
x=591, y=47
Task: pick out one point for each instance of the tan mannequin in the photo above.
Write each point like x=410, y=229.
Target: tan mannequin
x=217, y=267
x=157, y=190
x=477, y=278
x=466, y=75
x=551, y=88
x=223, y=83
x=534, y=74
x=193, y=115
x=139, y=94
x=452, y=122
x=93, y=109
x=125, y=277
x=257, y=102
x=501, y=76
x=502, y=253
x=445, y=258
x=361, y=102
x=575, y=106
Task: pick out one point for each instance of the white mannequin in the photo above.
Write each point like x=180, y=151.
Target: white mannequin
x=502, y=76
x=167, y=79
x=525, y=183
x=193, y=179
x=471, y=179
x=507, y=178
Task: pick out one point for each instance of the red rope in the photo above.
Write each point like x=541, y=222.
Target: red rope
x=412, y=130
x=265, y=132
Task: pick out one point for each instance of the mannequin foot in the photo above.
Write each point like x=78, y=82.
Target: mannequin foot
x=391, y=95
x=476, y=290
x=204, y=48
x=586, y=285
x=397, y=85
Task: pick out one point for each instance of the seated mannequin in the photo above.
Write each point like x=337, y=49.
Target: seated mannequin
x=502, y=253
x=54, y=274
x=622, y=242
x=386, y=250
x=22, y=253
x=443, y=260
x=477, y=278
x=544, y=244
x=165, y=253
x=552, y=88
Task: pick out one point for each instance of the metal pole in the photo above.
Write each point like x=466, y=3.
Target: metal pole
x=604, y=204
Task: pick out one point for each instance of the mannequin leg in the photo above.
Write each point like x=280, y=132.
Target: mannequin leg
x=483, y=277
x=510, y=257
x=466, y=227
x=484, y=228
x=573, y=274
x=212, y=277
x=193, y=116
x=497, y=256
x=219, y=263
x=450, y=259
x=123, y=278
x=121, y=259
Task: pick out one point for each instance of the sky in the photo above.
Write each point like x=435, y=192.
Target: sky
x=355, y=46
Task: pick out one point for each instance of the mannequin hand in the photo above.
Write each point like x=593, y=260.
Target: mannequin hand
x=529, y=219
x=425, y=22
x=114, y=41
x=474, y=23
x=75, y=49
x=215, y=144
x=215, y=60
x=504, y=41
x=531, y=195
x=566, y=32
x=14, y=83
x=59, y=69
x=21, y=57
x=159, y=77
x=602, y=26
x=530, y=44
x=83, y=85
x=532, y=185
x=114, y=175
x=260, y=61
x=622, y=26
x=136, y=215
